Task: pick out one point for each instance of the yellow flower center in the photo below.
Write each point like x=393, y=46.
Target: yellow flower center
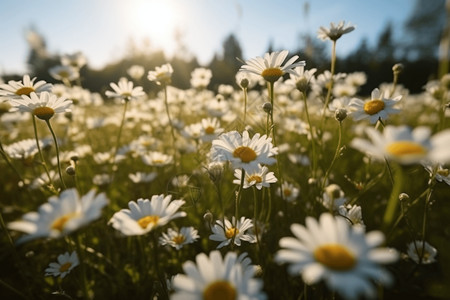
x=219, y=290
x=26, y=90
x=209, y=130
x=373, y=106
x=402, y=148
x=126, y=94
x=287, y=192
x=65, y=267
x=44, y=112
x=335, y=257
x=231, y=232
x=59, y=223
x=179, y=239
x=443, y=172
x=246, y=154
x=145, y=221
x=255, y=178
x=63, y=74
x=272, y=74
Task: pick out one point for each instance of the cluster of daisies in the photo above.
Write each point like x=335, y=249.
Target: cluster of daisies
x=332, y=247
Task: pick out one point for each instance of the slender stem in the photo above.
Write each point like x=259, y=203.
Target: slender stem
x=116, y=149
x=391, y=208
x=12, y=289
x=5, y=156
x=172, y=131
x=255, y=212
x=336, y=154
x=331, y=83
x=40, y=151
x=81, y=253
x=57, y=152
x=425, y=217
x=158, y=270
x=311, y=132
x=245, y=105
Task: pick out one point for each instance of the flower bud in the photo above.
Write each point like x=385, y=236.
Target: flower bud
x=267, y=107
x=340, y=114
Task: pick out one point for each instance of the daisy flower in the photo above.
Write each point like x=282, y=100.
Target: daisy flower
x=301, y=78
x=156, y=159
x=335, y=31
x=344, y=256
x=65, y=263
x=290, y=191
x=269, y=67
x=421, y=252
x=125, y=90
x=24, y=150
x=227, y=232
x=75, y=60
x=15, y=89
x=352, y=213
x=333, y=197
x=136, y=72
x=243, y=152
x=144, y=215
x=177, y=239
x=404, y=145
x=377, y=108
x=200, y=78
x=140, y=177
x=162, y=75
x=43, y=105
x=210, y=129
x=60, y=215
x=259, y=178
x=64, y=73
x=440, y=173
x=213, y=277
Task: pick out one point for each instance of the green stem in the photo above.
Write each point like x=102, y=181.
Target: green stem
x=392, y=205
x=172, y=130
x=12, y=289
x=311, y=132
x=255, y=212
x=40, y=151
x=336, y=154
x=81, y=253
x=245, y=105
x=116, y=149
x=331, y=83
x=57, y=152
x=5, y=156
x=425, y=217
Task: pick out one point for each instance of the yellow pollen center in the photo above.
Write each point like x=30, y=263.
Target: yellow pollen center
x=219, y=290
x=145, y=221
x=209, y=130
x=59, y=223
x=44, y=112
x=255, y=178
x=65, y=267
x=443, y=172
x=335, y=257
x=245, y=153
x=63, y=74
x=272, y=74
x=158, y=161
x=231, y=232
x=403, y=148
x=26, y=90
x=287, y=192
x=126, y=94
x=179, y=239
x=373, y=106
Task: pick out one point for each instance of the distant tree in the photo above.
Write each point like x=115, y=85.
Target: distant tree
x=423, y=29
x=385, y=49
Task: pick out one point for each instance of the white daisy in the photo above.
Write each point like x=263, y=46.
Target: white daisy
x=75, y=60
x=377, y=108
x=335, y=31
x=404, y=145
x=141, y=177
x=290, y=191
x=136, y=72
x=162, y=75
x=333, y=197
x=156, y=159
x=144, y=215
x=125, y=90
x=352, y=213
x=66, y=262
x=65, y=73
x=214, y=277
x=24, y=150
x=242, y=151
x=440, y=173
x=269, y=67
x=15, y=89
x=344, y=256
x=259, y=178
x=200, y=78
x=60, y=215
x=177, y=239
x=43, y=106
x=210, y=129
x=232, y=231
x=421, y=252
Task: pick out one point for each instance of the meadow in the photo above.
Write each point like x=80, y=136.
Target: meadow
x=287, y=185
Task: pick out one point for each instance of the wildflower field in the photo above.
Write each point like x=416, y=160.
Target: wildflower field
x=288, y=185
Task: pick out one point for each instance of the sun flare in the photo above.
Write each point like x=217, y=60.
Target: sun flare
x=155, y=21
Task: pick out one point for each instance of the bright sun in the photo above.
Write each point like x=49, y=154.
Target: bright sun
x=155, y=20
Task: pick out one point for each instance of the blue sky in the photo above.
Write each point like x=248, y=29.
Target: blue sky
x=103, y=29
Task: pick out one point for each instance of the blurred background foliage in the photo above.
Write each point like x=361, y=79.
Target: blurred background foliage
x=423, y=50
